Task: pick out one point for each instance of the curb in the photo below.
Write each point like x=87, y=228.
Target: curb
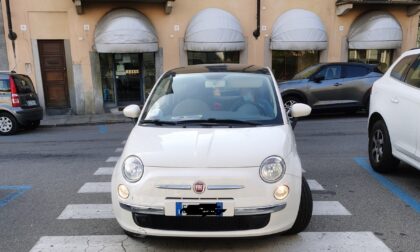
x=80, y=124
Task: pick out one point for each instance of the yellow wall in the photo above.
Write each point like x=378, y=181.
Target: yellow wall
x=57, y=19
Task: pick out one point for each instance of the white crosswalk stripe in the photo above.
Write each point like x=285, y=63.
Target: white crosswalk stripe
x=96, y=187
x=124, y=142
x=305, y=241
x=314, y=185
x=119, y=149
x=87, y=211
x=104, y=171
x=112, y=159
x=329, y=208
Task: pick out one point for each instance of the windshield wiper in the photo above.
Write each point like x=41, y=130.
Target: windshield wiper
x=158, y=122
x=214, y=121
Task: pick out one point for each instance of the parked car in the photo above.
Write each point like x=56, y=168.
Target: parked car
x=19, y=104
x=331, y=86
x=394, y=115
x=212, y=155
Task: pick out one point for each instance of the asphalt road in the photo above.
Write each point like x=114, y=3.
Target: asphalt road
x=42, y=171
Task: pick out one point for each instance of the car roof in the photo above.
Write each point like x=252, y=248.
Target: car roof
x=236, y=68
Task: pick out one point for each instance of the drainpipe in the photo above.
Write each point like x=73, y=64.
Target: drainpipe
x=256, y=33
x=12, y=35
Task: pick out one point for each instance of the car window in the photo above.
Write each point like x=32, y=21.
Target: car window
x=214, y=96
x=4, y=85
x=355, y=71
x=399, y=71
x=329, y=73
x=23, y=84
x=413, y=75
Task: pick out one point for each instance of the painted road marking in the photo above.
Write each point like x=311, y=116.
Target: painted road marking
x=314, y=185
x=87, y=211
x=124, y=142
x=96, y=187
x=329, y=208
x=104, y=211
x=102, y=129
x=104, y=171
x=119, y=149
x=304, y=241
x=16, y=192
x=396, y=190
x=112, y=159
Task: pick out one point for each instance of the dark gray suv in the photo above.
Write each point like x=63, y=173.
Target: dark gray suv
x=331, y=85
x=19, y=104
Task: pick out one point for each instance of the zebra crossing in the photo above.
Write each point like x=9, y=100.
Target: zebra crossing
x=305, y=241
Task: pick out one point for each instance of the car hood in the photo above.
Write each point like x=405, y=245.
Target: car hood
x=208, y=147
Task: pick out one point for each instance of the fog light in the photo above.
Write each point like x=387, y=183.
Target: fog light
x=281, y=192
x=123, y=191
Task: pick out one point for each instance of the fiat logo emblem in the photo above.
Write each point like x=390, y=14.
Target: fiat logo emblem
x=199, y=187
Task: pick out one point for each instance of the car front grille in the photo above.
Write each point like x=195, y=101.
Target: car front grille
x=198, y=223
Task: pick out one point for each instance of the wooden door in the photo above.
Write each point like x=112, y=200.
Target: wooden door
x=54, y=73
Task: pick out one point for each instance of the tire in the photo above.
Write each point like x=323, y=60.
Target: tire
x=305, y=210
x=380, y=150
x=288, y=101
x=33, y=125
x=8, y=124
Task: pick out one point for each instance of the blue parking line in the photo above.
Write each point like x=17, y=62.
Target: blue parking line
x=397, y=191
x=18, y=190
x=103, y=129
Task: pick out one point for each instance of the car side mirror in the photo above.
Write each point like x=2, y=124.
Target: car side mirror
x=300, y=110
x=132, y=111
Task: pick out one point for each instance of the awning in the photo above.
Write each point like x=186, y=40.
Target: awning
x=125, y=31
x=375, y=30
x=214, y=30
x=299, y=30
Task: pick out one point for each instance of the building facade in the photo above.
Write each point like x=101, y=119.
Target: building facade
x=92, y=56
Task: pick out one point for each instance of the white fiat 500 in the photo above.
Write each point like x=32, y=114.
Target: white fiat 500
x=212, y=155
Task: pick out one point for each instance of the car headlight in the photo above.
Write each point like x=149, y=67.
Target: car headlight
x=132, y=169
x=272, y=169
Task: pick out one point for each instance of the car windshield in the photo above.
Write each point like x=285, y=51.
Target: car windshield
x=307, y=72
x=213, y=99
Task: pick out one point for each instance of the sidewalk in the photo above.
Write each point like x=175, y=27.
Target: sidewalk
x=72, y=120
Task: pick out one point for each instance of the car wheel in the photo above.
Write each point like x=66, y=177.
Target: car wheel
x=380, y=151
x=8, y=124
x=33, y=125
x=305, y=210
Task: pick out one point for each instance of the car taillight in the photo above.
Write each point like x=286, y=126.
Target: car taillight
x=13, y=91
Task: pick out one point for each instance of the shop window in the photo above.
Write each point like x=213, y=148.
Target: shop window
x=380, y=57
x=195, y=58
x=286, y=64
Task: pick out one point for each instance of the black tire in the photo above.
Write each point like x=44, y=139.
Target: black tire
x=33, y=125
x=380, y=150
x=305, y=210
x=8, y=124
x=288, y=101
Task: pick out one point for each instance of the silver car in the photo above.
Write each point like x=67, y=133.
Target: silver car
x=331, y=85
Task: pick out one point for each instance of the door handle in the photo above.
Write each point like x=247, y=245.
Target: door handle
x=337, y=84
x=395, y=100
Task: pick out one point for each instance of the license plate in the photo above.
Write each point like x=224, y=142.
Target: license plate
x=31, y=102
x=199, y=209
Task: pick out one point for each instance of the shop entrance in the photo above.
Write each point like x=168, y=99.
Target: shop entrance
x=127, y=78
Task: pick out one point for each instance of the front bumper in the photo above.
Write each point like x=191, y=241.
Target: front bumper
x=152, y=200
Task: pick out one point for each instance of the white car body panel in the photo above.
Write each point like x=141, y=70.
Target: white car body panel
x=399, y=105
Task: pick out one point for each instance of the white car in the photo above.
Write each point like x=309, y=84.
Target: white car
x=394, y=115
x=212, y=155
